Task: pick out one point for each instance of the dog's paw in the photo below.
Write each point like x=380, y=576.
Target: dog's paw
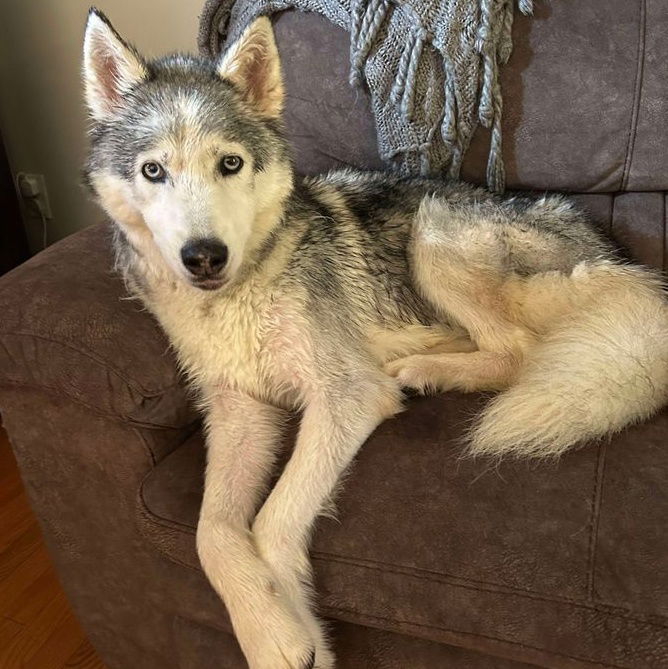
x=278, y=641
x=284, y=659
x=412, y=372
x=291, y=566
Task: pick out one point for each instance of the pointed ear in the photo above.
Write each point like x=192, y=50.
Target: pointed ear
x=110, y=67
x=252, y=64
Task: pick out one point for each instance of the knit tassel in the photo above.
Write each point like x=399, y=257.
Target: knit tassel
x=496, y=173
x=425, y=163
x=408, y=100
x=366, y=26
x=484, y=42
x=356, y=11
x=484, y=26
x=456, y=161
x=526, y=7
x=506, y=37
x=402, y=71
x=449, y=124
x=404, y=84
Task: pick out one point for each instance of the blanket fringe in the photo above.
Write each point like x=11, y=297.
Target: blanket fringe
x=365, y=24
x=403, y=91
x=473, y=38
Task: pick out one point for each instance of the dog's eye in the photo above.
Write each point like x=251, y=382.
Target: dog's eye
x=153, y=171
x=230, y=165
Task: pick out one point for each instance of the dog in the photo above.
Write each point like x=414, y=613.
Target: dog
x=331, y=295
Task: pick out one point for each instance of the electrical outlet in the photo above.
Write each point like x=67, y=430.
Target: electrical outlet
x=32, y=188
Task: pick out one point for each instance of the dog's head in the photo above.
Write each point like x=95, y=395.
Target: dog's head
x=188, y=154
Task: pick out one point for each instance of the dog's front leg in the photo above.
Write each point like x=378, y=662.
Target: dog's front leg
x=242, y=439
x=334, y=426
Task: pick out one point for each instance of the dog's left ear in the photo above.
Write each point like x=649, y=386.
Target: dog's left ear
x=252, y=64
x=111, y=67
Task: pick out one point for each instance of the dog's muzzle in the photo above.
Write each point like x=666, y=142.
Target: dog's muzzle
x=205, y=260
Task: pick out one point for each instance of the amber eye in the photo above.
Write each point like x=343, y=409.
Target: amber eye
x=230, y=165
x=153, y=172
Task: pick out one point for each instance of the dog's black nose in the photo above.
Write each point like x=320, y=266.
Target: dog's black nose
x=204, y=258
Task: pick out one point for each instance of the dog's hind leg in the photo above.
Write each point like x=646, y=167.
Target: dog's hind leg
x=459, y=265
x=468, y=372
x=243, y=436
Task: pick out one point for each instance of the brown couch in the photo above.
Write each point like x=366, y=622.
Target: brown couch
x=435, y=562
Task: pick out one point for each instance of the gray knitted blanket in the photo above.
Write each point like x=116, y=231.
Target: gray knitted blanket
x=432, y=68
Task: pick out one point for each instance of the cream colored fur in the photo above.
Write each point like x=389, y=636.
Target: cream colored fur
x=579, y=356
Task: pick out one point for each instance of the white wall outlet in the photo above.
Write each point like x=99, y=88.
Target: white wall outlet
x=32, y=188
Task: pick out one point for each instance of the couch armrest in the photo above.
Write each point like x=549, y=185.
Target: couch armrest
x=91, y=398
x=67, y=327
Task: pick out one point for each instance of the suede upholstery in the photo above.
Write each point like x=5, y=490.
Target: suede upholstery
x=436, y=562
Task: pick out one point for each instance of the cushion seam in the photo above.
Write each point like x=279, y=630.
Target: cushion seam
x=637, y=91
x=595, y=517
x=665, y=235
x=138, y=434
x=468, y=584
x=471, y=634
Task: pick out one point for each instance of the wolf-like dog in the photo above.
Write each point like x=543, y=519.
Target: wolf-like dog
x=330, y=294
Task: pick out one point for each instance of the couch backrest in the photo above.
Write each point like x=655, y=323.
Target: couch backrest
x=586, y=110
x=585, y=97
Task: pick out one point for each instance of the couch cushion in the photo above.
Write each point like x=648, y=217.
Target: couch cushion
x=558, y=564
x=636, y=221
x=584, y=98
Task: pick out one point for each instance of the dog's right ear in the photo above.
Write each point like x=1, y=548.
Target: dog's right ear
x=111, y=67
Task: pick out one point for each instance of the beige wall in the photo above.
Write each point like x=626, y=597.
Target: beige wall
x=41, y=112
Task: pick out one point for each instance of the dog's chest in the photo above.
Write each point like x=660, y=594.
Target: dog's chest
x=256, y=343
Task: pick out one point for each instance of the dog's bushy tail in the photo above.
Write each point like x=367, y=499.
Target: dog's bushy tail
x=602, y=368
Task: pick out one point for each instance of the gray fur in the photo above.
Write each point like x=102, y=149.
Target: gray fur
x=151, y=114
x=354, y=261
